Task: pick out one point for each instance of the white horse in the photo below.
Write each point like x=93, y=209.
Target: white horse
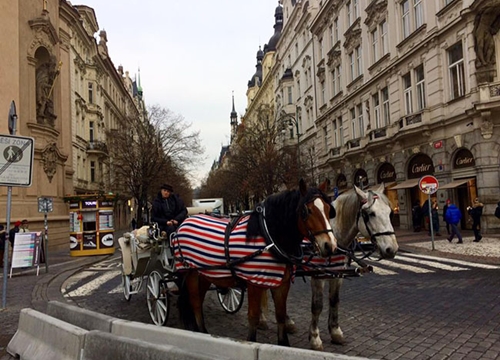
x=357, y=211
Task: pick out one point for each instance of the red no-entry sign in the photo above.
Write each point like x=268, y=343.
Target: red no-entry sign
x=428, y=184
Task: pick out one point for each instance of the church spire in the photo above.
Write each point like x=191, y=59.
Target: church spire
x=234, y=122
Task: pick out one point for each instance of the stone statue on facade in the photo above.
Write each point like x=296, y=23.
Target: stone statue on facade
x=486, y=26
x=46, y=75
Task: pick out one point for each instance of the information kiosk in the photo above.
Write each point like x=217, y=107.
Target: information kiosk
x=91, y=224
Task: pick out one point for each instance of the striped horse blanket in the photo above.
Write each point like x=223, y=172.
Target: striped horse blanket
x=199, y=244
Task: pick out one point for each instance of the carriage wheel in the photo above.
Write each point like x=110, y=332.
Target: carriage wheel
x=126, y=287
x=231, y=299
x=157, y=297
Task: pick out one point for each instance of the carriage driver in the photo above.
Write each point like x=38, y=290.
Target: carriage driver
x=169, y=210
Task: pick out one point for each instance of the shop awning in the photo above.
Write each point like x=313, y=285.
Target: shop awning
x=455, y=184
x=407, y=184
x=386, y=186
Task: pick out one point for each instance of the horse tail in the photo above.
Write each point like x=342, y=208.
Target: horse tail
x=186, y=313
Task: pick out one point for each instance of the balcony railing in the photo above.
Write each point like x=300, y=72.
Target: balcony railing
x=410, y=120
x=97, y=146
x=378, y=133
x=354, y=143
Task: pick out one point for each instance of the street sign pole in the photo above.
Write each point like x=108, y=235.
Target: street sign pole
x=45, y=205
x=428, y=184
x=12, y=122
x=430, y=220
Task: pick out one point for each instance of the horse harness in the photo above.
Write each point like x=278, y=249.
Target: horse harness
x=366, y=219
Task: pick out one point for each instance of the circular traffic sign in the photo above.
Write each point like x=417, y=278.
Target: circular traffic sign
x=428, y=184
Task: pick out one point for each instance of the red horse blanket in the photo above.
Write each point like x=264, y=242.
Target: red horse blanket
x=199, y=244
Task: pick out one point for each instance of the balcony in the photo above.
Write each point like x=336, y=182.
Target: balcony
x=378, y=134
x=354, y=143
x=97, y=147
x=410, y=120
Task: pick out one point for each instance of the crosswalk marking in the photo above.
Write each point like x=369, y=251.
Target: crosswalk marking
x=393, y=264
x=90, y=287
x=434, y=264
x=453, y=261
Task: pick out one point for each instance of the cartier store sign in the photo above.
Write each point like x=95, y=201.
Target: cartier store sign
x=386, y=174
x=361, y=178
x=419, y=166
x=463, y=159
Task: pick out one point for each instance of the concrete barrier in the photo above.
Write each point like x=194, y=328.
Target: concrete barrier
x=216, y=347
x=43, y=337
x=104, y=346
x=86, y=319
x=274, y=352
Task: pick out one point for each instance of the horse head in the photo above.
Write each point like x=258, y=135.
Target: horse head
x=374, y=221
x=314, y=212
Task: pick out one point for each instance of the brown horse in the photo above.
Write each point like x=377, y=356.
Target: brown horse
x=258, y=252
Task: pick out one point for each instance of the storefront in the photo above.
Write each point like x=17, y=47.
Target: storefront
x=386, y=175
x=462, y=190
x=91, y=224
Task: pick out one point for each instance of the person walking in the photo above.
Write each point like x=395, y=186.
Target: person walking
x=497, y=211
x=416, y=217
x=475, y=212
x=435, y=218
x=169, y=210
x=445, y=207
x=24, y=226
x=453, y=217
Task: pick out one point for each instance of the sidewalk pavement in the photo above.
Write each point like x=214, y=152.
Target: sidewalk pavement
x=26, y=290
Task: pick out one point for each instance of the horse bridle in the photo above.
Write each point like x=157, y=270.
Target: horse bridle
x=362, y=214
x=261, y=210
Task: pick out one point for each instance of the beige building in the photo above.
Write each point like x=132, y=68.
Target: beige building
x=387, y=92
x=67, y=93
x=407, y=89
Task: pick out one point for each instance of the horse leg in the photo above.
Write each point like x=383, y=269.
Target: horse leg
x=280, y=294
x=317, y=286
x=264, y=311
x=195, y=285
x=333, y=315
x=255, y=294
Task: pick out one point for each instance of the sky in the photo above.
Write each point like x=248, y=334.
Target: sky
x=192, y=55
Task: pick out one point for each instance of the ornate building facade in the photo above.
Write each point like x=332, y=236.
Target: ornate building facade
x=67, y=92
x=386, y=92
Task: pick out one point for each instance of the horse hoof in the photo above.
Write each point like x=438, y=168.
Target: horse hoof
x=290, y=328
x=262, y=325
x=338, y=340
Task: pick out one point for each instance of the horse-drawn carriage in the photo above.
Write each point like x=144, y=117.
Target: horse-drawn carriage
x=254, y=252
x=147, y=256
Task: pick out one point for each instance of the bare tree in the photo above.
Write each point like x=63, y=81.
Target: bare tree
x=144, y=153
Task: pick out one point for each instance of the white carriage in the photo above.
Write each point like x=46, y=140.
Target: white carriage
x=147, y=256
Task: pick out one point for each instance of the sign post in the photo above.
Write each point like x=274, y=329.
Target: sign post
x=45, y=205
x=428, y=184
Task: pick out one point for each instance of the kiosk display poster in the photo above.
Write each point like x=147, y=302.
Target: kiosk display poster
x=26, y=250
x=91, y=222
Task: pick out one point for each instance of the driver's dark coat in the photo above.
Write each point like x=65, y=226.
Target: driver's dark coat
x=161, y=213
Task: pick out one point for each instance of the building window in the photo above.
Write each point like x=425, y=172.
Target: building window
x=341, y=131
x=92, y=171
x=456, y=69
x=289, y=92
x=359, y=65
x=352, y=11
x=420, y=85
x=325, y=138
x=375, y=45
x=332, y=40
x=334, y=82
x=405, y=10
x=335, y=134
x=385, y=106
x=376, y=110
x=349, y=13
x=351, y=64
x=336, y=30
x=339, y=78
x=361, y=122
x=91, y=93
x=353, y=124
x=419, y=13
x=320, y=43
x=91, y=131
x=323, y=95
x=298, y=88
x=384, y=37
x=407, y=94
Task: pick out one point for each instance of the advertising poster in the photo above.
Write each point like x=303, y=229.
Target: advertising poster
x=26, y=250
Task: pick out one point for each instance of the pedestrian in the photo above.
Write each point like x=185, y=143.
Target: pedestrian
x=475, y=212
x=453, y=217
x=445, y=207
x=13, y=232
x=435, y=218
x=134, y=223
x=416, y=216
x=24, y=226
x=2, y=244
x=497, y=210
x=168, y=210
x=425, y=215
